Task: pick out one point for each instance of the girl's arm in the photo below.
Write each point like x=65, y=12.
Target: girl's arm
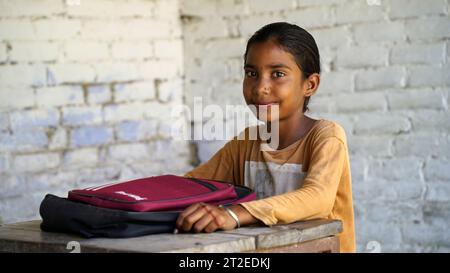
x=316, y=197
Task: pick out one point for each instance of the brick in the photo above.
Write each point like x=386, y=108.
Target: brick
x=54, y=29
x=418, y=54
x=171, y=90
x=379, y=32
x=331, y=37
x=17, y=30
x=13, y=185
x=134, y=91
x=335, y=82
x=229, y=48
x=428, y=75
x=379, y=124
x=154, y=109
x=422, y=144
x=137, y=130
x=171, y=49
x=86, y=50
x=169, y=9
x=394, y=212
x=258, y=6
x=370, y=101
x=367, y=56
x=58, y=96
x=377, y=146
x=437, y=169
x=358, y=167
x=30, y=8
x=412, y=8
x=328, y=59
x=147, y=29
x=354, y=12
x=199, y=29
x=98, y=94
x=36, y=162
x=130, y=152
x=30, y=75
x=160, y=69
x=82, y=115
x=111, y=9
x=26, y=141
x=34, y=51
x=177, y=149
x=312, y=17
x=437, y=191
x=12, y=209
x=4, y=121
x=91, y=136
x=430, y=120
x=102, y=29
x=58, y=182
x=70, y=73
x=58, y=139
x=122, y=112
x=21, y=120
x=225, y=9
x=85, y=157
x=120, y=71
x=4, y=162
x=387, y=179
x=175, y=128
x=415, y=99
x=16, y=97
x=132, y=51
x=380, y=78
x=200, y=7
x=436, y=212
x=208, y=68
x=308, y=3
x=3, y=52
x=420, y=28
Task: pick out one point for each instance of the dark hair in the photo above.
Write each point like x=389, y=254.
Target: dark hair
x=295, y=40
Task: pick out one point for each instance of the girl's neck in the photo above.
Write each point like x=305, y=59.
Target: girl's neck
x=292, y=129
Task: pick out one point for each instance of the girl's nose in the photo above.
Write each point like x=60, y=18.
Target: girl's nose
x=262, y=87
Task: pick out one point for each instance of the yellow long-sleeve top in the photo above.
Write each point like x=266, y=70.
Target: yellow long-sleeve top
x=309, y=179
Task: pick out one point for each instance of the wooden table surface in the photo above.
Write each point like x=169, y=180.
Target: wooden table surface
x=306, y=236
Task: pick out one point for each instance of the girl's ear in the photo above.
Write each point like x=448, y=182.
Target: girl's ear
x=312, y=83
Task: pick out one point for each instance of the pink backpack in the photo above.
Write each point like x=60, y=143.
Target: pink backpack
x=162, y=193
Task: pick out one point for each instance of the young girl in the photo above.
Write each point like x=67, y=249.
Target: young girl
x=308, y=175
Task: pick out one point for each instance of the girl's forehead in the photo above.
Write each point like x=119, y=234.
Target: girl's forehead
x=268, y=52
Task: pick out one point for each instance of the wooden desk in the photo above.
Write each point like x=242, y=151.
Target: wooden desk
x=307, y=236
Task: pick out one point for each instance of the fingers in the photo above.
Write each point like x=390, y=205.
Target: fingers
x=192, y=208
x=210, y=222
x=199, y=217
x=191, y=216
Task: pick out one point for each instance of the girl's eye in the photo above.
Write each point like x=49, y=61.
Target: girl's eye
x=278, y=74
x=250, y=74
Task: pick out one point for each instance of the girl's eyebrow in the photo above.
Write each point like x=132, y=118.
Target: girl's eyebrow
x=275, y=65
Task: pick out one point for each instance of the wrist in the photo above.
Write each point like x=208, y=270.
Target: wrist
x=233, y=215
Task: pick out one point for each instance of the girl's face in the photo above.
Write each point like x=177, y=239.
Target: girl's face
x=272, y=77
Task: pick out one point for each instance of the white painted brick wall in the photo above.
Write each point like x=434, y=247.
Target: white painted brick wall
x=78, y=98
x=385, y=79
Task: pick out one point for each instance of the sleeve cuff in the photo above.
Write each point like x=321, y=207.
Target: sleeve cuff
x=261, y=211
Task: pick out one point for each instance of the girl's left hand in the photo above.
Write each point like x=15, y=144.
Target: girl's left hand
x=203, y=217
